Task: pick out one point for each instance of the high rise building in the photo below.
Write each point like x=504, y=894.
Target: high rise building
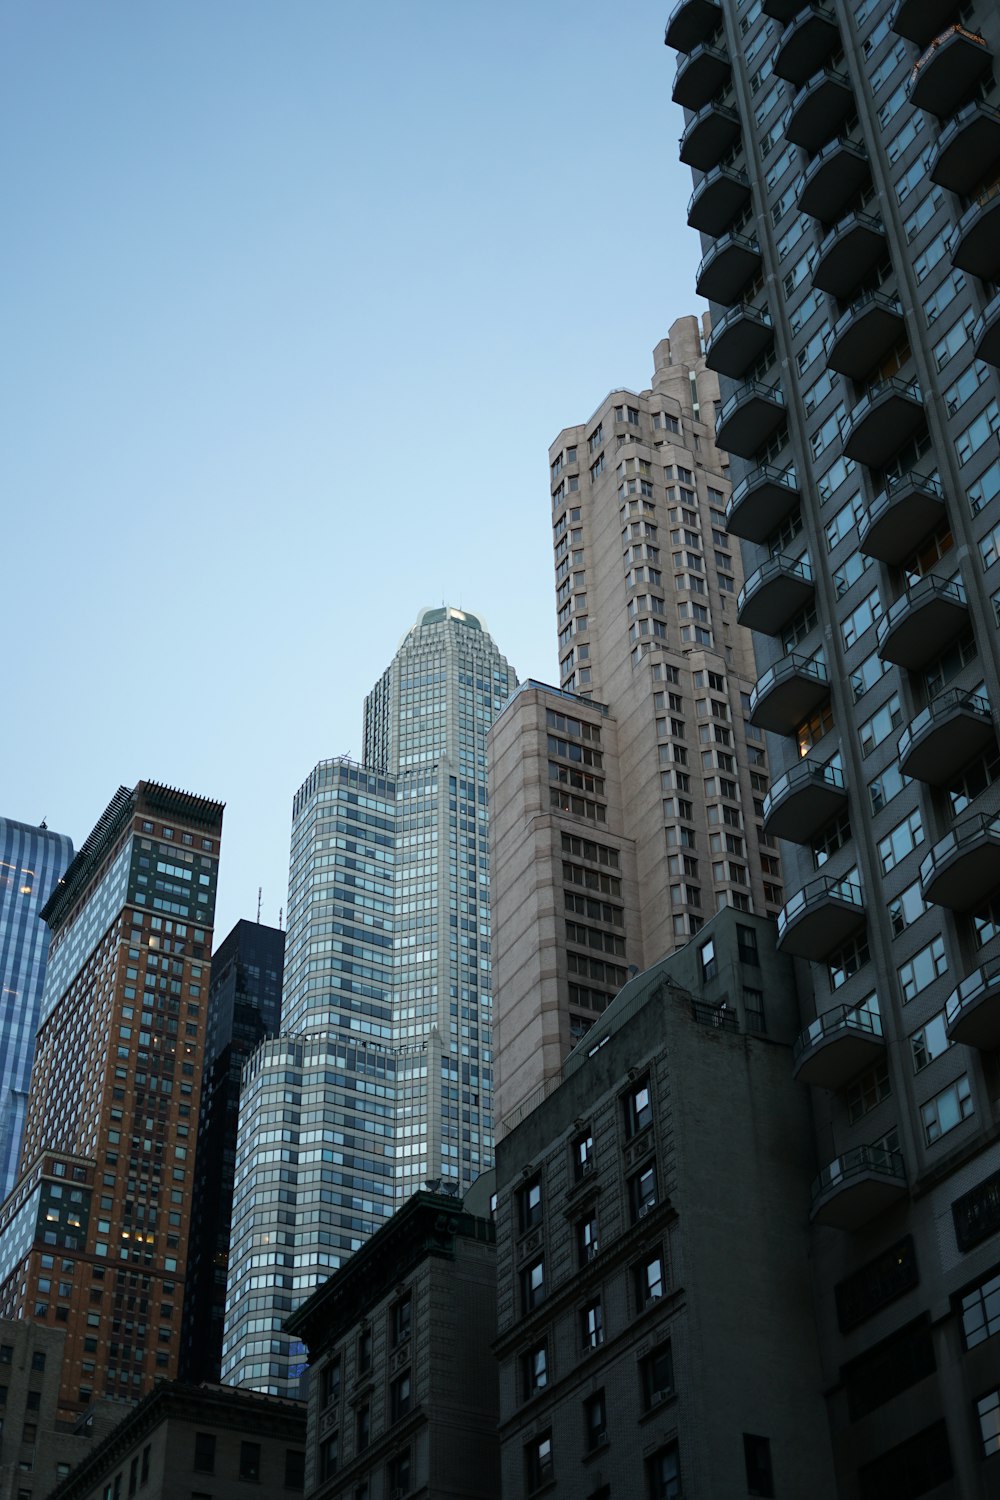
x=244, y=1007
x=846, y=165
x=382, y=1077
x=31, y=861
x=628, y=801
x=94, y=1235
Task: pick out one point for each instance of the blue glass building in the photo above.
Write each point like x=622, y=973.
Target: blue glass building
x=31, y=861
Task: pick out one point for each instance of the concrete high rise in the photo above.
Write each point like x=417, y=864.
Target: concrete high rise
x=244, y=1007
x=627, y=802
x=382, y=1077
x=31, y=861
x=94, y=1235
x=846, y=170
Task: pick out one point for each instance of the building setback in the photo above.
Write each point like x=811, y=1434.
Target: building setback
x=655, y=1328
x=31, y=861
x=382, y=1077
x=94, y=1235
x=846, y=164
x=642, y=814
x=244, y=1007
x=403, y=1388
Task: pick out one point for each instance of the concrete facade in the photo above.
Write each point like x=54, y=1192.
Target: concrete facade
x=846, y=190
x=647, y=585
x=655, y=1328
x=403, y=1384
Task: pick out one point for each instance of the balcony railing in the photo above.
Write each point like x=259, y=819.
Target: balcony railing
x=838, y=1044
x=854, y=1187
x=972, y=1010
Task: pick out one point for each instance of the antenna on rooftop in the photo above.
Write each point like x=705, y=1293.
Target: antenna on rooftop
x=281, y=919
x=260, y=892
x=43, y=823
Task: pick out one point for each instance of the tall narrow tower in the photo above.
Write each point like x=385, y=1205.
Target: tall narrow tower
x=628, y=802
x=94, y=1235
x=382, y=1077
x=31, y=861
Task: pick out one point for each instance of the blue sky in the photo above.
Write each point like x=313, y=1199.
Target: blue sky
x=294, y=298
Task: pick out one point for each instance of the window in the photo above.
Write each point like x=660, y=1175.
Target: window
x=709, y=962
x=746, y=939
x=530, y=1205
x=892, y=1366
x=295, y=1469
x=595, y=1422
x=650, y=1283
x=362, y=1428
x=988, y=1412
x=587, y=1239
x=538, y=1461
x=583, y=1154
x=364, y=1351
x=329, y=1382
x=922, y=969
x=665, y=1474
x=329, y=1455
x=204, y=1452
x=900, y=841
x=533, y=1285
x=642, y=1191
x=638, y=1109
x=592, y=1325
x=535, y=1370
x=881, y=724
x=929, y=1042
x=250, y=1461
x=38, y=1360
x=757, y=1458
x=400, y=1396
x=656, y=1372
x=399, y=1321
x=868, y=1091
x=399, y=1473
x=981, y=1311
x=946, y=1110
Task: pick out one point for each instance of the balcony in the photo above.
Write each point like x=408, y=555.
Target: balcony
x=819, y=109
x=781, y=10
x=863, y=334
x=967, y=150
x=788, y=692
x=986, y=334
x=833, y=177
x=972, y=1011
x=837, y=1046
x=738, y=340
x=803, y=800
x=774, y=593
x=878, y=425
x=847, y=252
x=691, y=22
x=806, y=43
x=908, y=508
x=948, y=71
x=857, y=1187
x=919, y=625
x=963, y=867
x=761, y=500
x=945, y=736
x=975, y=243
x=921, y=20
x=749, y=418
x=708, y=135
x=717, y=200
x=700, y=76
x=820, y=917
x=727, y=268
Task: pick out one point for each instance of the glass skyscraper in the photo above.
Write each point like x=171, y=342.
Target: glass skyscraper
x=382, y=1077
x=31, y=861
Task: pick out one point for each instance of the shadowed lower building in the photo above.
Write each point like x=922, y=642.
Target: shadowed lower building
x=403, y=1382
x=94, y=1236
x=244, y=1007
x=655, y=1328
